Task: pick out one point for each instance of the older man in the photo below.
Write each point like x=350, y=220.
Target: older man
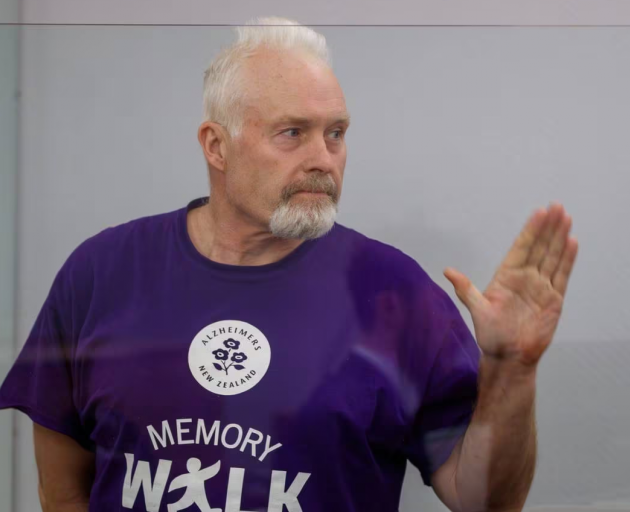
x=246, y=352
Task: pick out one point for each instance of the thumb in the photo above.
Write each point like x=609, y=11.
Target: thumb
x=464, y=289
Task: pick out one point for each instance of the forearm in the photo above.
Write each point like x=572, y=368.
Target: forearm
x=498, y=456
x=48, y=505
x=65, y=471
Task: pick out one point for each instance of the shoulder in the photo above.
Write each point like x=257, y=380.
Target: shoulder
x=136, y=231
x=374, y=259
x=106, y=261
x=373, y=266
x=112, y=246
x=126, y=239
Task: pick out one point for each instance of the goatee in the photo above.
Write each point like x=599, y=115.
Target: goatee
x=307, y=217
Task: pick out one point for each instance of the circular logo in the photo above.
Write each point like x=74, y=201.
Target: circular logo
x=229, y=357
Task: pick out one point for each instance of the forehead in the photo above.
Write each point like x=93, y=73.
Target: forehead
x=289, y=85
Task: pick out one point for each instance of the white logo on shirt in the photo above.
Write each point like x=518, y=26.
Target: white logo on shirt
x=229, y=357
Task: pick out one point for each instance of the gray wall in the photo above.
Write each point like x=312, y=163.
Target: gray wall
x=458, y=135
x=331, y=12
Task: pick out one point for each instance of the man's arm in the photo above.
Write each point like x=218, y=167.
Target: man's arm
x=491, y=469
x=65, y=470
x=515, y=319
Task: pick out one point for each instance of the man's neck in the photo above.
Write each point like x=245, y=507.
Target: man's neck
x=233, y=242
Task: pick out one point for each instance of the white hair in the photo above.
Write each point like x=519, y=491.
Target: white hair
x=223, y=89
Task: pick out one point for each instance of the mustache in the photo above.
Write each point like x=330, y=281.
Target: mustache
x=312, y=184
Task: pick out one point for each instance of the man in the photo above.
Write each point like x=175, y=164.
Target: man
x=246, y=352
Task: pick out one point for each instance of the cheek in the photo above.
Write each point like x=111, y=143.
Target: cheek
x=341, y=164
x=252, y=187
x=260, y=173
x=242, y=185
x=241, y=175
x=344, y=156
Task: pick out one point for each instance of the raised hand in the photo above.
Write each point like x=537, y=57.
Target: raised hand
x=516, y=316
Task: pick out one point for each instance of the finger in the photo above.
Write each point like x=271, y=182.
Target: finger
x=519, y=252
x=560, y=279
x=556, y=247
x=467, y=292
x=541, y=246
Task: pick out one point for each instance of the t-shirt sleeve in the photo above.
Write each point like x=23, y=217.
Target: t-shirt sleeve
x=41, y=381
x=450, y=392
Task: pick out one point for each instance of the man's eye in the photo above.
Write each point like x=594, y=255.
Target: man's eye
x=339, y=133
x=290, y=130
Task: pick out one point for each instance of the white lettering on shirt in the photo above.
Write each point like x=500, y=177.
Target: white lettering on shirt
x=251, y=439
x=238, y=439
x=166, y=431
x=153, y=491
x=279, y=497
x=235, y=491
x=181, y=430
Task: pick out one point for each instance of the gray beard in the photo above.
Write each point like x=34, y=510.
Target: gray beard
x=304, y=221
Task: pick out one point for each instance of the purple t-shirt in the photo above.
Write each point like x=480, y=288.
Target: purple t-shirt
x=301, y=385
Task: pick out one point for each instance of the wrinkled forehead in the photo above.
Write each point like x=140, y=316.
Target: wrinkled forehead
x=279, y=85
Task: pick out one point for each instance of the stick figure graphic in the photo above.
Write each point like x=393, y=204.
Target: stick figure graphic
x=195, y=490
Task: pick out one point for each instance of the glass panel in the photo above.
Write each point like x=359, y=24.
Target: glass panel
x=458, y=134
x=8, y=172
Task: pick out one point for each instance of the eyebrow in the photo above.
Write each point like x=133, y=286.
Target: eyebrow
x=305, y=121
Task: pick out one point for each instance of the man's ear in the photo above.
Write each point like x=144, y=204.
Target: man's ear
x=213, y=139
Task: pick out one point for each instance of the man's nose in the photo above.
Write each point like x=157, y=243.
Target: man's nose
x=321, y=157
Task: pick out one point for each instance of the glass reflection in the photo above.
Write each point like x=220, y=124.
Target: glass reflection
x=247, y=350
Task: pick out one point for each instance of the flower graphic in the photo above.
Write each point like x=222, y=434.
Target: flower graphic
x=232, y=343
x=223, y=356
x=220, y=354
x=238, y=357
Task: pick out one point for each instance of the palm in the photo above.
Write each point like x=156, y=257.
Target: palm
x=517, y=315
